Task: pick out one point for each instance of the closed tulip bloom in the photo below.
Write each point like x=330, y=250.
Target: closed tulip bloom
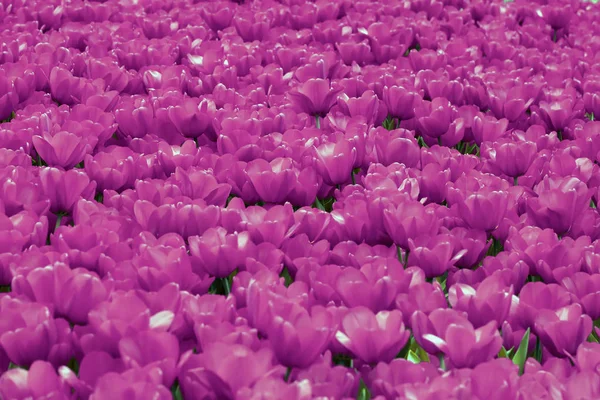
x=513, y=158
x=409, y=220
x=464, y=345
x=433, y=254
x=432, y=183
x=366, y=105
x=473, y=209
x=28, y=331
x=63, y=149
x=216, y=372
x=273, y=225
x=273, y=181
x=387, y=379
x=558, y=203
x=124, y=314
x=474, y=242
x=72, y=293
x=9, y=98
x=133, y=384
x=434, y=323
x=563, y=330
x=424, y=297
x=586, y=288
x=558, y=114
x=135, y=116
x=491, y=301
x=109, y=170
x=370, y=286
x=373, y=337
x=435, y=118
x=398, y=145
x=330, y=381
x=219, y=253
x=65, y=188
x=536, y=296
x=193, y=118
x=488, y=129
x=495, y=380
x=314, y=97
x=401, y=102
x=40, y=381
x=299, y=337
x=152, y=349
x=334, y=161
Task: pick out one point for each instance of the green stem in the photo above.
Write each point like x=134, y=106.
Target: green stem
x=287, y=374
x=59, y=218
x=318, y=121
x=442, y=362
x=399, y=251
x=226, y=285
x=537, y=353
x=406, y=259
x=515, y=180
x=352, y=176
x=319, y=205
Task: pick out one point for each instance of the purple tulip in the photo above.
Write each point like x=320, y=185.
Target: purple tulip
x=559, y=200
x=219, y=253
x=150, y=349
x=299, y=337
x=40, y=381
x=409, y=220
x=491, y=301
x=388, y=379
x=314, y=97
x=215, y=373
x=563, y=330
x=373, y=337
x=135, y=384
x=449, y=332
x=401, y=102
x=433, y=254
x=424, y=297
x=334, y=161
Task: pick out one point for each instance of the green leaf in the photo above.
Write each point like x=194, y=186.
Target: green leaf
x=176, y=391
x=592, y=338
x=363, y=392
x=521, y=354
x=412, y=357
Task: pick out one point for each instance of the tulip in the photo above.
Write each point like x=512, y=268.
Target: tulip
x=314, y=97
x=388, y=379
x=434, y=254
x=134, y=384
x=299, y=337
x=491, y=301
x=40, y=381
x=152, y=349
x=559, y=200
x=219, y=253
x=373, y=337
x=215, y=371
x=409, y=220
x=272, y=181
x=563, y=330
x=401, y=102
x=335, y=161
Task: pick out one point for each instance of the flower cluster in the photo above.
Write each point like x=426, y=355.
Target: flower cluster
x=293, y=199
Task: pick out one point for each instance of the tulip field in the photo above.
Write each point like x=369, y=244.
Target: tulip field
x=299, y=199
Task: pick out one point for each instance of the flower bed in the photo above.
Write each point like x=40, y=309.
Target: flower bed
x=290, y=199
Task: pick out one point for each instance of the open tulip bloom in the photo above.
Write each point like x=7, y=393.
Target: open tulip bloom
x=330, y=199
